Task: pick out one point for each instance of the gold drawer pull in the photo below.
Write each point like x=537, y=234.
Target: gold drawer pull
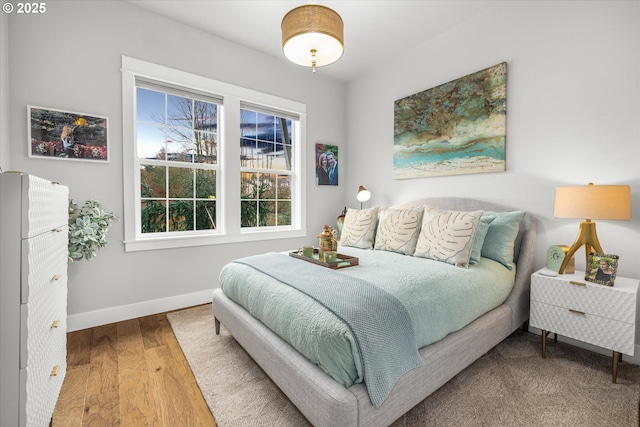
x=54, y=371
x=55, y=324
x=55, y=182
x=56, y=277
x=57, y=230
x=577, y=312
x=573, y=282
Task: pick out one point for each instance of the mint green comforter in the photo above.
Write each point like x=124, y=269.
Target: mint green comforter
x=439, y=297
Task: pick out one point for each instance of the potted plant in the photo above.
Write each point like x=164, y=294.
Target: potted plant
x=88, y=228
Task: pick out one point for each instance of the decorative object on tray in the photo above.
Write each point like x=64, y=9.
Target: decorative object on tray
x=341, y=260
x=456, y=128
x=306, y=251
x=602, y=269
x=88, y=228
x=326, y=242
x=66, y=135
x=340, y=221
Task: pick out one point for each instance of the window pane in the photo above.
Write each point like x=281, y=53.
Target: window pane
x=205, y=215
x=149, y=106
x=281, y=157
x=180, y=145
x=205, y=184
x=180, y=183
x=248, y=123
x=266, y=128
x=153, y=216
x=267, y=214
x=284, y=213
x=279, y=135
x=248, y=213
x=180, y=215
x=268, y=186
x=150, y=141
x=284, y=187
x=153, y=181
x=179, y=111
x=206, y=147
x=249, y=185
x=206, y=116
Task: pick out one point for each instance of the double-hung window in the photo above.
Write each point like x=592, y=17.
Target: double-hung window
x=206, y=162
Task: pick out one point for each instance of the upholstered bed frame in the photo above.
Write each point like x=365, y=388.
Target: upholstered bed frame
x=326, y=403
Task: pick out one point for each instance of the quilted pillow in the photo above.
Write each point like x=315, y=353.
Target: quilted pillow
x=398, y=230
x=447, y=235
x=478, y=242
x=359, y=228
x=501, y=237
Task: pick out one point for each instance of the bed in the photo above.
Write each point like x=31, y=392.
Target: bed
x=326, y=399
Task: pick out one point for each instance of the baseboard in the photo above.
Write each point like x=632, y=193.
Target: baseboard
x=105, y=316
x=635, y=359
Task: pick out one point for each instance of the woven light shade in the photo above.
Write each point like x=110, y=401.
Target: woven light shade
x=312, y=36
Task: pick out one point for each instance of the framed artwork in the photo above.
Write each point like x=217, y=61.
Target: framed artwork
x=66, y=135
x=602, y=269
x=456, y=128
x=326, y=164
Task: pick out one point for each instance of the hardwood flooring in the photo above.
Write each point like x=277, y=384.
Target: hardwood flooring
x=131, y=373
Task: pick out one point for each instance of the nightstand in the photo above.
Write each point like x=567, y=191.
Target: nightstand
x=600, y=315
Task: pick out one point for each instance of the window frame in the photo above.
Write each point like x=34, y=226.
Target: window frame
x=228, y=188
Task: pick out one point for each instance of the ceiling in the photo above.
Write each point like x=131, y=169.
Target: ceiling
x=375, y=31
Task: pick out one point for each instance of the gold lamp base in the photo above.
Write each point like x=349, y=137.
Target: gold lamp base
x=586, y=236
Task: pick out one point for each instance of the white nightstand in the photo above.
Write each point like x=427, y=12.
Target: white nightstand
x=604, y=316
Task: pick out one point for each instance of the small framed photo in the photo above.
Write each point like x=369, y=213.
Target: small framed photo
x=602, y=269
x=326, y=164
x=65, y=135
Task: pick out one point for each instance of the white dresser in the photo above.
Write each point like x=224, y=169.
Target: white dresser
x=596, y=314
x=33, y=297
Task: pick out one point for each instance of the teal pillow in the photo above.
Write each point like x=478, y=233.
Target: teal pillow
x=501, y=236
x=481, y=234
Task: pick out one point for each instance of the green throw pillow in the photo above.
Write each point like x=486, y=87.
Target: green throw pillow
x=501, y=236
x=481, y=234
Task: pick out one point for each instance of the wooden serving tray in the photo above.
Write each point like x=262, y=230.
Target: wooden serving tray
x=343, y=261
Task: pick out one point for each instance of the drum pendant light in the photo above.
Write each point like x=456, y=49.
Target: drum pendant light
x=312, y=36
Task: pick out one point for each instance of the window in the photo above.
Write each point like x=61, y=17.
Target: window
x=206, y=162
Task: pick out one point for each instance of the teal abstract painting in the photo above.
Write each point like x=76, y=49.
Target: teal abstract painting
x=456, y=128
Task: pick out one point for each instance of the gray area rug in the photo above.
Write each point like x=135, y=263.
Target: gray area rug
x=509, y=386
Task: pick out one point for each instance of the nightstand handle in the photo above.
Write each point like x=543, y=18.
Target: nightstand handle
x=573, y=282
x=54, y=371
x=577, y=312
x=55, y=324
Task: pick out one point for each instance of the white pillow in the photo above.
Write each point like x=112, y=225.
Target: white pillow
x=359, y=228
x=398, y=230
x=447, y=236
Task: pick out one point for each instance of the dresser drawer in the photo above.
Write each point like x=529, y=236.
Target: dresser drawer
x=46, y=204
x=41, y=382
x=594, y=299
x=603, y=332
x=43, y=325
x=44, y=262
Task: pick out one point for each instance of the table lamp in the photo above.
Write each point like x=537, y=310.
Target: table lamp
x=591, y=202
x=363, y=195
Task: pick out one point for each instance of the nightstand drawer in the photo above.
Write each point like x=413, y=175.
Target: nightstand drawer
x=603, y=332
x=594, y=299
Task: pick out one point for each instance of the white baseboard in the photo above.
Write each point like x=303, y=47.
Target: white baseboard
x=635, y=359
x=105, y=316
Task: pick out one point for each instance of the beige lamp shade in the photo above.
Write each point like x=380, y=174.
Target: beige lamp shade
x=363, y=194
x=312, y=36
x=593, y=202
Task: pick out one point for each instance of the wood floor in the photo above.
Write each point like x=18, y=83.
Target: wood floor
x=131, y=373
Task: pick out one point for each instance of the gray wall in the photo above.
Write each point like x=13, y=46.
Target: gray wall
x=69, y=58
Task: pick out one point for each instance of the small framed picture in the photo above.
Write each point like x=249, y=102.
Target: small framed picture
x=65, y=135
x=602, y=269
x=326, y=164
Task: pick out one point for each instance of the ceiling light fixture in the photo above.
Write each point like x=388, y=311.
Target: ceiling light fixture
x=312, y=36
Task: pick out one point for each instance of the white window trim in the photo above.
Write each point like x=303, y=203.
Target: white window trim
x=229, y=230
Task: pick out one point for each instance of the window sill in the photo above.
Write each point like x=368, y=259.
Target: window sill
x=170, y=242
